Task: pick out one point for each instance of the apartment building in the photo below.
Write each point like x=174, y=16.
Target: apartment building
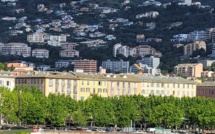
x=88, y=66
x=206, y=89
x=116, y=66
x=189, y=70
x=40, y=53
x=68, y=50
x=63, y=63
x=81, y=86
x=191, y=47
x=7, y=80
x=141, y=50
x=213, y=51
x=16, y=48
x=37, y=37
x=55, y=40
x=151, y=61
x=198, y=35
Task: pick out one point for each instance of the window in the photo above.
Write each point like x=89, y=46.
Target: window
x=118, y=92
x=99, y=83
x=158, y=85
x=157, y=92
x=174, y=85
x=93, y=83
x=69, y=83
x=62, y=82
x=123, y=92
x=118, y=84
x=82, y=89
x=111, y=91
x=112, y=84
x=82, y=82
x=152, y=84
x=56, y=82
x=8, y=83
x=129, y=85
x=99, y=90
x=129, y=91
x=68, y=90
x=88, y=83
x=184, y=85
x=167, y=85
x=178, y=85
x=62, y=90
x=162, y=92
x=104, y=90
x=143, y=84
x=152, y=92
x=74, y=97
x=162, y=85
x=1, y=82
x=123, y=85
x=56, y=90
x=87, y=89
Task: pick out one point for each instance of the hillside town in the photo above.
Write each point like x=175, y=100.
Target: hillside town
x=130, y=66
x=109, y=77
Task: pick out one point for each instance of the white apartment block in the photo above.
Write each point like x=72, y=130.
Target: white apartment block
x=15, y=48
x=116, y=66
x=63, y=63
x=7, y=80
x=198, y=35
x=141, y=50
x=68, y=50
x=38, y=37
x=55, y=40
x=151, y=14
x=185, y=2
x=151, y=61
x=40, y=53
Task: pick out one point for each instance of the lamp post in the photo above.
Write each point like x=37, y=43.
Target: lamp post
x=19, y=106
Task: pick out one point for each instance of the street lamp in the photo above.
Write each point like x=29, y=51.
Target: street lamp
x=19, y=106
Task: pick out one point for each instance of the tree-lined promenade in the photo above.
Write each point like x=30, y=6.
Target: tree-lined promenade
x=32, y=107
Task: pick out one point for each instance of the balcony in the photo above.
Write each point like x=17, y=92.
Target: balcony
x=74, y=92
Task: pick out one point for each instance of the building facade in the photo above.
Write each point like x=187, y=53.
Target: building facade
x=89, y=66
x=151, y=61
x=206, y=89
x=81, y=86
x=197, y=45
x=63, y=63
x=14, y=48
x=37, y=37
x=7, y=80
x=141, y=50
x=40, y=53
x=68, y=50
x=116, y=66
x=189, y=70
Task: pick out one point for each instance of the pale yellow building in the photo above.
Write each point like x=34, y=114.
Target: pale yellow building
x=190, y=48
x=81, y=86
